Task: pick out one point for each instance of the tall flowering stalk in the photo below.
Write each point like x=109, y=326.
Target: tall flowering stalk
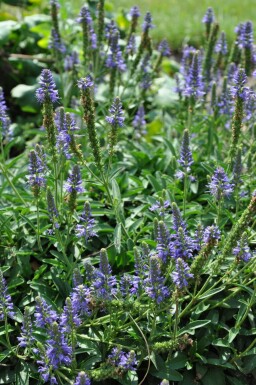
x=211, y=237
x=247, y=45
x=208, y=59
x=26, y=339
x=47, y=95
x=185, y=161
x=240, y=93
x=221, y=49
x=87, y=102
x=115, y=119
x=155, y=287
x=134, y=14
x=220, y=187
x=89, y=36
x=101, y=17
x=208, y=19
x=86, y=228
x=164, y=51
x=5, y=132
x=237, y=230
x=194, y=88
x=37, y=181
x=73, y=186
x=114, y=60
x=144, y=43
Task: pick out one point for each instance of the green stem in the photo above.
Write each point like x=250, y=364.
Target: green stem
x=5, y=173
x=185, y=192
x=38, y=226
x=7, y=332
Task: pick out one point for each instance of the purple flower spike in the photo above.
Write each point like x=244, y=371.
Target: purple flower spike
x=37, y=171
x=154, y=283
x=6, y=305
x=74, y=182
x=131, y=45
x=115, y=58
x=193, y=83
x=86, y=229
x=4, y=118
x=58, y=351
x=85, y=83
x=122, y=360
x=82, y=379
x=221, y=46
x=80, y=299
x=220, y=185
x=26, y=338
x=211, y=235
x=239, y=89
x=105, y=283
x=44, y=314
x=164, y=48
x=186, y=159
x=246, y=35
x=209, y=16
x=242, y=250
x=71, y=61
x=56, y=43
x=47, y=93
x=147, y=22
x=181, y=275
x=135, y=12
x=116, y=118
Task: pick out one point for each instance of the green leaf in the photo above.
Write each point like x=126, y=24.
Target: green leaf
x=22, y=377
x=233, y=332
x=116, y=191
x=210, y=293
x=6, y=27
x=234, y=381
x=130, y=378
x=179, y=361
x=166, y=373
x=193, y=325
x=155, y=183
x=7, y=375
x=214, y=376
x=117, y=237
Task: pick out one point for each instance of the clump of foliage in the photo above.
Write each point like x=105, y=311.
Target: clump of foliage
x=128, y=221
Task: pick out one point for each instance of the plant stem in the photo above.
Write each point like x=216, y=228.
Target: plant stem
x=38, y=226
x=5, y=173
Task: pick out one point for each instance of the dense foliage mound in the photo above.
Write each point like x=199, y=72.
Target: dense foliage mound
x=128, y=211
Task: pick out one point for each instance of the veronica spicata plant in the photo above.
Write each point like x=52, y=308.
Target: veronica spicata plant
x=118, y=265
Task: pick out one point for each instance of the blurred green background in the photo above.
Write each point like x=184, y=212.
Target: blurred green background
x=177, y=20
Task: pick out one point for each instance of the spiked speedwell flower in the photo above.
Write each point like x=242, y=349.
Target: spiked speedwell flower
x=82, y=379
x=86, y=229
x=181, y=275
x=74, y=181
x=209, y=16
x=242, y=250
x=116, y=119
x=194, y=84
x=154, y=283
x=186, y=159
x=6, y=305
x=47, y=92
x=239, y=89
x=220, y=185
x=147, y=22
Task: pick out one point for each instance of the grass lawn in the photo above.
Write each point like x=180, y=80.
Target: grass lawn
x=179, y=19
